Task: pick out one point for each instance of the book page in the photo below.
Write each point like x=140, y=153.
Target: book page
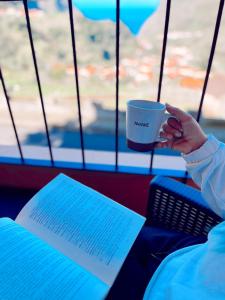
x=31, y=269
x=88, y=227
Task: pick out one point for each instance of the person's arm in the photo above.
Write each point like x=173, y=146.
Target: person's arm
x=205, y=156
x=207, y=168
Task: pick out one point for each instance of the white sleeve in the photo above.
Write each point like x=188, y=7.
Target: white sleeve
x=206, y=166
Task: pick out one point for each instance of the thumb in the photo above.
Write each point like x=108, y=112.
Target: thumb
x=178, y=113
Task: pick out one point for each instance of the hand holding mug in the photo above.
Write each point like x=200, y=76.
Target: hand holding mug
x=181, y=131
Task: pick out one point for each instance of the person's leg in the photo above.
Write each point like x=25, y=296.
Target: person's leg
x=154, y=244
x=150, y=248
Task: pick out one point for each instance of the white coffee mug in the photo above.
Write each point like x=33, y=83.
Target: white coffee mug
x=144, y=119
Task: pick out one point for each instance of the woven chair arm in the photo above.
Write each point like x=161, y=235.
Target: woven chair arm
x=176, y=206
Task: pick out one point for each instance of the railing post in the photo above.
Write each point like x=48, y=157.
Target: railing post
x=70, y=4
x=117, y=82
x=211, y=55
x=210, y=60
x=11, y=116
x=38, y=79
x=166, y=27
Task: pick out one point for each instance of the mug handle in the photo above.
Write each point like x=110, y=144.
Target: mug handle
x=165, y=118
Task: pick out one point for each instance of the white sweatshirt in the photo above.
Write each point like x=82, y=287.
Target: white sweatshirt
x=198, y=272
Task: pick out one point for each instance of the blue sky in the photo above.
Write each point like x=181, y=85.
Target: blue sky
x=133, y=12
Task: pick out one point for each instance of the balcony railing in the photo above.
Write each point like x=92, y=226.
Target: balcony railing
x=155, y=163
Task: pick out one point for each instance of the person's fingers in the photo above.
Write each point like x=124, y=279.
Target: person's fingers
x=173, y=122
x=178, y=113
x=161, y=145
x=165, y=144
x=166, y=135
x=172, y=144
x=171, y=131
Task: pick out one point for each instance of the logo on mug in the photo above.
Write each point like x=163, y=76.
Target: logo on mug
x=141, y=124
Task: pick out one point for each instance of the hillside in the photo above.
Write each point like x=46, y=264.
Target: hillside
x=189, y=40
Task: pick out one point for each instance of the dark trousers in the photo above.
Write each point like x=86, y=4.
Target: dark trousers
x=150, y=248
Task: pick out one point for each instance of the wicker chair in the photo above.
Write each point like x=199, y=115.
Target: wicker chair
x=176, y=206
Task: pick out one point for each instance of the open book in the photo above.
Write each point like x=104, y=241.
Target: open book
x=68, y=242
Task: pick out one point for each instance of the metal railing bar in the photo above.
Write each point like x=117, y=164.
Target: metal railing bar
x=38, y=78
x=70, y=5
x=117, y=82
x=185, y=178
x=211, y=55
x=12, y=117
x=166, y=27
